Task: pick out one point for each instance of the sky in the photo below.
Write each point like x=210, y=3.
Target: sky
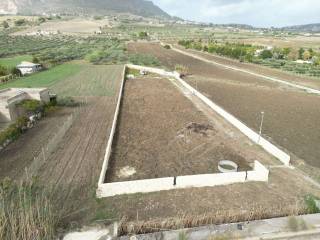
x=259, y=13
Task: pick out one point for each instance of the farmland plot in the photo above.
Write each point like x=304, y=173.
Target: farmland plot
x=160, y=133
x=73, y=169
x=292, y=117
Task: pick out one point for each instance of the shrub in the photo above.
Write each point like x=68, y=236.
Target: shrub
x=265, y=54
x=67, y=102
x=31, y=106
x=183, y=70
x=167, y=46
x=13, y=131
x=15, y=71
x=20, y=22
x=312, y=207
x=143, y=35
x=5, y=24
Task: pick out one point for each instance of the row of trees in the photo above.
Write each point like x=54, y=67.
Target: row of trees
x=249, y=53
x=243, y=52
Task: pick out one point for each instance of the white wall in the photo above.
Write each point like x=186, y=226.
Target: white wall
x=259, y=173
x=113, y=129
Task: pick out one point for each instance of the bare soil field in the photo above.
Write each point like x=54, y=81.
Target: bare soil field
x=259, y=69
x=291, y=117
x=72, y=26
x=161, y=134
x=16, y=158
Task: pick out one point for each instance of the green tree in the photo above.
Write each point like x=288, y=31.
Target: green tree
x=265, y=54
x=301, y=52
x=143, y=35
x=35, y=59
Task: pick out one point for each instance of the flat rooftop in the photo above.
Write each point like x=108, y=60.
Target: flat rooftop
x=6, y=94
x=9, y=93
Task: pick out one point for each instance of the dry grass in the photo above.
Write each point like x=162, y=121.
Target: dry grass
x=219, y=217
x=26, y=212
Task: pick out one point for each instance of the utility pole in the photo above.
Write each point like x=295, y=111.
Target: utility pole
x=261, y=125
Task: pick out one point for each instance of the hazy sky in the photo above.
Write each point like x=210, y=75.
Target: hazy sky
x=262, y=13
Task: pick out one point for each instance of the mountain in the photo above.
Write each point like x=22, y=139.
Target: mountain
x=315, y=27
x=79, y=7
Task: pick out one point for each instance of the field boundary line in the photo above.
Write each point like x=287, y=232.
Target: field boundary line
x=301, y=87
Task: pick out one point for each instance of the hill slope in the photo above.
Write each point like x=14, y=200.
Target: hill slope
x=315, y=27
x=138, y=7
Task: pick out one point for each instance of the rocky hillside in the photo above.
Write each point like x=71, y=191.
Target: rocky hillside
x=79, y=7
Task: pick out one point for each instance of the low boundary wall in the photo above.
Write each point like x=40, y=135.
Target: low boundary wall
x=113, y=129
x=259, y=172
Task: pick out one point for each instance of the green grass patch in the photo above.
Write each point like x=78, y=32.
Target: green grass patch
x=45, y=78
x=14, y=61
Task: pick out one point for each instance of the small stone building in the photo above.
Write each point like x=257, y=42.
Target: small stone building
x=10, y=97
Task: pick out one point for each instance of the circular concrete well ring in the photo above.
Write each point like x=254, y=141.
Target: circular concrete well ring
x=227, y=166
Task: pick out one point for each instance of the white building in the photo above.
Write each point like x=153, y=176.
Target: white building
x=28, y=67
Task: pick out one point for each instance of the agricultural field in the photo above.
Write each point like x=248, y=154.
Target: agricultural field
x=162, y=130
x=46, y=78
x=285, y=109
x=162, y=134
x=259, y=69
x=68, y=26
x=73, y=167
x=14, y=61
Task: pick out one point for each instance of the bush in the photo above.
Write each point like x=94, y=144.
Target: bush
x=67, y=102
x=167, y=46
x=265, y=54
x=13, y=131
x=15, y=71
x=311, y=204
x=20, y=22
x=143, y=35
x=31, y=106
x=5, y=24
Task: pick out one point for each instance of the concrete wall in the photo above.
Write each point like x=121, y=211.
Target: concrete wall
x=40, y=94
x=110, y=140
x=259, y=173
